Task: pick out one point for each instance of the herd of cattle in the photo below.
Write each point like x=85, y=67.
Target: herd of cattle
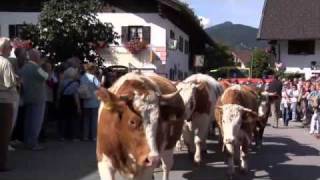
x=143, y=116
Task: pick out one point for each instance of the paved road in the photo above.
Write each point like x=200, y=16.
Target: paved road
x=288, y=154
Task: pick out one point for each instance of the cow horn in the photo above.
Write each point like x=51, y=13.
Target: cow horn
x=170, y=96
x=249, y=111
x=124, y=98
x=166, y=98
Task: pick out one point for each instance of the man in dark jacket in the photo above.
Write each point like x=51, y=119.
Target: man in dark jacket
x=275, y=88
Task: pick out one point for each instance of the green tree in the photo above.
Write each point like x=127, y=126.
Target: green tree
x=260, y=63
x=218, y=56
x=68, y=28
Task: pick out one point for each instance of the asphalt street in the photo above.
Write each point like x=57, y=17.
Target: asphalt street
x=287, y=154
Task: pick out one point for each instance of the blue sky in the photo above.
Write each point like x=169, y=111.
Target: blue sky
x=246, y=12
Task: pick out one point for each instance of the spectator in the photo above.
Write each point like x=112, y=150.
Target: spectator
x=285, y=104
x=34, y=78
x=315, y=120
x=21, y=58
x=90, y=103
x=50, y=86
x=294, y=94
x=275, y=87
x=69, y=105
x=8, y=95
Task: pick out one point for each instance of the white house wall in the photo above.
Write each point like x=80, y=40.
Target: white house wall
x=299, y=63
x=160, y=32
x=7, y=18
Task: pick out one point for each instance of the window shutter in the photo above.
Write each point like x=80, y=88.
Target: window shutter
x=124, y=34
x=146, y=34
x=12, y=31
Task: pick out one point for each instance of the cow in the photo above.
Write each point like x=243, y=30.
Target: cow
x=199, y=93
x=264, y=111
x=140, y=120
x=236, y=115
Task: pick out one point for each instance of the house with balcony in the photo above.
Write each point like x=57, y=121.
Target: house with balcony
x=293, y=31
x=168, y=34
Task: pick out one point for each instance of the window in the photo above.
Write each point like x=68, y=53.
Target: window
x=303, y=47
x=172, y=35
x=135, y=32
x=15, y=30
x=181, y=43
x=142, y=33
x=186, y=47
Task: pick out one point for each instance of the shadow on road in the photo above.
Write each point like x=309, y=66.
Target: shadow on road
x=270, y=162
x=61, y=161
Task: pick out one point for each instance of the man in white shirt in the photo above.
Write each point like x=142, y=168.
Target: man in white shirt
x=8, y=95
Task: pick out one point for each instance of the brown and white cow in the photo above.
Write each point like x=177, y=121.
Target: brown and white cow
x=140, y=121
x=236, y=116
x=263, y=113
x=199, y=93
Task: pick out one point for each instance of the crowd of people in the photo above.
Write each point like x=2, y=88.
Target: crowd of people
x=34, y=93
x=300, y=103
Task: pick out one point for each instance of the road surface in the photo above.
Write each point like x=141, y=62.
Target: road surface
x=287, y=154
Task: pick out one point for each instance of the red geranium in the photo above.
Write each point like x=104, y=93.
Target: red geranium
x=18, y=43
x=135, y=46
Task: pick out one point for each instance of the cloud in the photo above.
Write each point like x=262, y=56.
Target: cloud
x=205, y=22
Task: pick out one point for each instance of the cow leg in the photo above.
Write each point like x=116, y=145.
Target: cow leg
x=244, y=148
x=167, y=163
x=200, y=125
x=106, y=171
x=231, y=168
x=261, y=136
x=188, y=135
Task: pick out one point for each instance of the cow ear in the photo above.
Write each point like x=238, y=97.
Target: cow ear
x=103, y=94
x=219, y=108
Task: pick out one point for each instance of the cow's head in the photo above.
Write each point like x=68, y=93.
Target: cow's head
x=187, y=92
x=137, y=118
x=264, y=104
x=233, y=115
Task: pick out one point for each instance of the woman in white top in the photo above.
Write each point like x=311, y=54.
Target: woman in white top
x=285, y=104
x=294, y=100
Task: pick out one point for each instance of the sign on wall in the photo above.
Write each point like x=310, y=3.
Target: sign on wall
x=199, y=60
x=161, y=53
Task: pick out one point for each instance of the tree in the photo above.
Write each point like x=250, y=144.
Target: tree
x=67, y=28
x=218, y=56
x=260, y=63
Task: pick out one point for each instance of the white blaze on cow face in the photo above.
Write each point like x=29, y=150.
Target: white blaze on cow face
x=187, y=92
x=148, y=106
x=231, y=122
x=262, y=110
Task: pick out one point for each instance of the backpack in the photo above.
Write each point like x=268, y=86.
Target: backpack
x=85, y=92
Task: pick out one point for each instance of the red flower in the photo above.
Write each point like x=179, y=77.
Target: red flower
x=135, y=46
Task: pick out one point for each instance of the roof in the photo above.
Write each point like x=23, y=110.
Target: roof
x=290, y=20
x=243, y=55
x=188, y=19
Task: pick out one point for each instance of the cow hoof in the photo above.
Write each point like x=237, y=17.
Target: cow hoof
x=230, y=176
x=197, y=164
x=243, y=171
x=190, y=155
x=204, y=152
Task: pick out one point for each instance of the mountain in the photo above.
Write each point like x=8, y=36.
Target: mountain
x=236, y=36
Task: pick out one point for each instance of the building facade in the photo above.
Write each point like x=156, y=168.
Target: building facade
x=170, y=44
x=293, y=31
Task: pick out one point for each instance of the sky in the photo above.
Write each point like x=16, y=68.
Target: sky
x=212, y=12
